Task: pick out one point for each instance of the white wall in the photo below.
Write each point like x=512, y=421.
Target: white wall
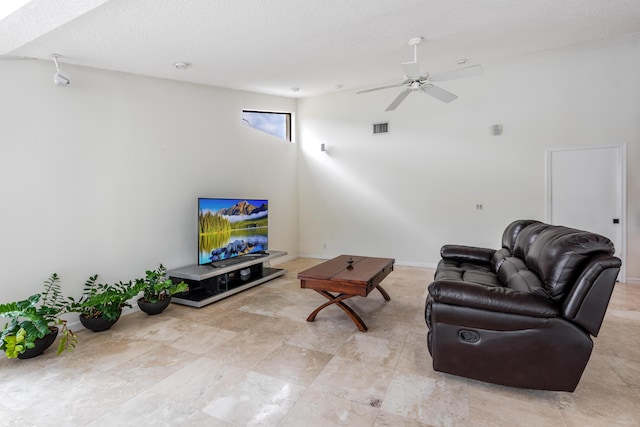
x=102, y=176
x=405, y=194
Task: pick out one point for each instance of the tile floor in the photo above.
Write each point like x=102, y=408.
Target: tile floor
x=252, y=359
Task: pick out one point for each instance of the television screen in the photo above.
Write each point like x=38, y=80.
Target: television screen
x=228, y=228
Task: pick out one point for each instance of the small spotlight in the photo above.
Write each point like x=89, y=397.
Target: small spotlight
x=58, y=78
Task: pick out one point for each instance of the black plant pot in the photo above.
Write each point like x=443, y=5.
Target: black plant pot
x=97, y=324
x=152, y=308
x=41, y=344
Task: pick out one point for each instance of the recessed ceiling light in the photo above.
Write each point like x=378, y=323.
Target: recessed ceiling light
x=181, y=65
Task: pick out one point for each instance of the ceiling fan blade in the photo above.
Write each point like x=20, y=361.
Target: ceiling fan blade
x=474, y=70
x=378, y=88
x=398, y=100
x=439, y=93
x=411, y=70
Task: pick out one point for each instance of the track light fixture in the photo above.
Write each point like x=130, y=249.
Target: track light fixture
x=58, y=78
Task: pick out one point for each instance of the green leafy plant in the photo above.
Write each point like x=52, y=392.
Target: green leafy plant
x=33, y=317
x=103, y=300
x=157, y=286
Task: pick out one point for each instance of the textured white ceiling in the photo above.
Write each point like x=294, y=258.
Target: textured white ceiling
x=271, y=46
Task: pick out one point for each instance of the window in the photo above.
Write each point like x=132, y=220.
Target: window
x=276, y=124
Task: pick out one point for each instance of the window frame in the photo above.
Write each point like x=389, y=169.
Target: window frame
x=288, y=122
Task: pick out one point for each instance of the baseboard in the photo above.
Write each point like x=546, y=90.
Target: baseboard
x=398, y=262
x=633, y=281
x=282, y=259
x=417, y=264
x=76, y=326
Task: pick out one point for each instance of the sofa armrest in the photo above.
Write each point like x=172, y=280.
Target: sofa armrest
x=467, y=253
x=492, y=298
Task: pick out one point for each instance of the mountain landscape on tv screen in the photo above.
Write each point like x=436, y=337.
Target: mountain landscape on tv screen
x=243, y=208
x=229, y=231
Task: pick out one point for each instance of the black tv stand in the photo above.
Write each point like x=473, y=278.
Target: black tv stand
x=209, y=283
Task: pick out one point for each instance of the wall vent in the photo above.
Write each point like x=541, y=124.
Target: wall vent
x=380, y=128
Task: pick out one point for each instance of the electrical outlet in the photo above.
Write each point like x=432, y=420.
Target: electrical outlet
x=479, y=206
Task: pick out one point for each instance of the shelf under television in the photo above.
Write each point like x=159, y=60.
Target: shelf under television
x=208, y=284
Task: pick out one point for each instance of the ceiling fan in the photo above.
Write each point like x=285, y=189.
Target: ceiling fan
x=421, y=82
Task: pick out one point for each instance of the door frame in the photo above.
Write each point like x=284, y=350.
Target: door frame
x=622, y=207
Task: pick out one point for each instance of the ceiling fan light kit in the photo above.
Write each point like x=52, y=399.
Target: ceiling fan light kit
x=416, y=81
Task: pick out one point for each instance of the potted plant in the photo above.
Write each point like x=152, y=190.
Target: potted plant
x=157, y=289
x=101, y=304
x=31, y=329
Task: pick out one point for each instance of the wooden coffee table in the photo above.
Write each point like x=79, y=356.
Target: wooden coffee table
x=344, y=277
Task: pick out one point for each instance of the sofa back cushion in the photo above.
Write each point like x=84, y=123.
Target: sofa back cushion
x=559, y=254
x=513, y=230
x=526, y=238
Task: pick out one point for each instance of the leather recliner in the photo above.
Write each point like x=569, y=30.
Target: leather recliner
x=522, y=315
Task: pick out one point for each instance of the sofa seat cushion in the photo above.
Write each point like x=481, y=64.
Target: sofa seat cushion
x=513, y=273
x=451, y=269
x=481, y=278
x=492, y=299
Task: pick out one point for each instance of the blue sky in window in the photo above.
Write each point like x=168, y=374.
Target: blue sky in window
x=272, y=123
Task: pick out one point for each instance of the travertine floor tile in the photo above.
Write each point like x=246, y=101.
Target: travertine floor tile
x=147, y=409
x=438, y=403
x=372, y=350
x=386, y=419
x=514, y=409
x=257, y=400
x=316, y=409
x=359, y=382
x=199, y=382
x=294, y=364
x=599, y=403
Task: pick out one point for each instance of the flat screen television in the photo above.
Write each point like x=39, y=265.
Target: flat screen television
x=229, y=228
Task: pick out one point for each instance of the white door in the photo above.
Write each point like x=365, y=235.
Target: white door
x=586, y=189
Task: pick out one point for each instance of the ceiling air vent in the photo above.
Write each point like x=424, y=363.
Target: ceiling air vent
x=380, y=128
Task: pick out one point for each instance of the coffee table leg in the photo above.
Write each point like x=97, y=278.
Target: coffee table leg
x=384, y=293
x=337, y=300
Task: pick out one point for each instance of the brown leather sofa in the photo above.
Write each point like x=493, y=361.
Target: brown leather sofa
x=522, y=315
